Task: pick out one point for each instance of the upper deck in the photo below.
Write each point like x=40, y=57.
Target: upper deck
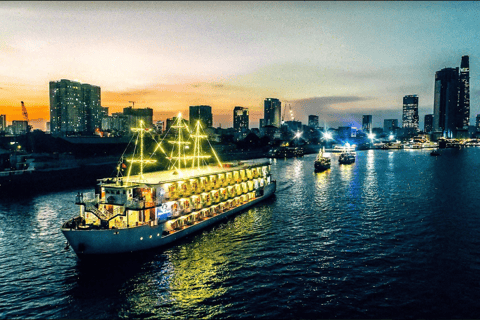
x=160, y=177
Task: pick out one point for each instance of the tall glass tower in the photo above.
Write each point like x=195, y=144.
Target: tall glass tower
x=272, y=112
x=240, y=118
x=410, y=112
x=445, y=104
x=202, y=113
x=463, y=120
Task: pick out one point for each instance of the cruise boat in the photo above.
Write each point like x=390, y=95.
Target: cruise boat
x=346, y=157
x=321, y=162
x=149, y=210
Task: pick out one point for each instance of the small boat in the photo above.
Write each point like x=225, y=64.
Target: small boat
x=346, y=158
x=321, y=162
x=435, y=153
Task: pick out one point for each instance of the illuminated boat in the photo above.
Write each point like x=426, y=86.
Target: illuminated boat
x=346, y=158
x=321, y=162
x=150, y=210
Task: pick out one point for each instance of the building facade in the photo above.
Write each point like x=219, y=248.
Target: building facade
x=463, y=119
x=19, y=127
x=272, y=112
x=75, y=108
x=3, y=122
x=390, y=126
x=240, y=119
x=410, y=113
x=313, y=121
x=428, y=123
x=202, y=113
x=133, y=117
x=445, y=101
x=367, y=123
x=452, y=100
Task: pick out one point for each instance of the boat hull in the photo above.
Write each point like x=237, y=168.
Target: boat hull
x=117, y=241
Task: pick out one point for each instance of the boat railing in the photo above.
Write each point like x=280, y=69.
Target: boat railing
x=138, y=204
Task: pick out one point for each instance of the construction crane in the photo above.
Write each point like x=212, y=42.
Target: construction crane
x=25, y=116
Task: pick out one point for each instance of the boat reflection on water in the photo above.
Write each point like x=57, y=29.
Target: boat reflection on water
x=173, y=282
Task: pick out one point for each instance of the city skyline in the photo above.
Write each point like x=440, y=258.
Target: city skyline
x=335, y=60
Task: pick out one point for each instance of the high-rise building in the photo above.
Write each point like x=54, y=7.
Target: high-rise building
x=445, y=103
x=3, y=122
x=428, y=123
x=390, y=125
x=74, y=107
x=19, y=127
x=272, y=112
x=410, y=113
x=240, y=118
x=313, y=121
x=477, y=123
x=452, y=100
x=93, y=110
x=135, y=115
x=463, y=119
x=367, y=123
x=202, y=113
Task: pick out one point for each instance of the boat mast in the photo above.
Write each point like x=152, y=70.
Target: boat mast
x=141, y=161
x=179, y=125
x=197, y=148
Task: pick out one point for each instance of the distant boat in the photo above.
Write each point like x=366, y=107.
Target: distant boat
x=322, y=163
x=346, y=158
x=286, y=152
x=435, y=153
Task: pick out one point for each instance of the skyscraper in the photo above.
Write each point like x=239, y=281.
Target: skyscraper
x=240, y=118
x=3, y=122
x=202, y=113
x=463, y=120
x=428, y=123
x=410, y=113
x=367, y=123
x=133, y=117
x=313, y=121
x=74, y=107
x=390, y=125
x=477, y=123
x=445, y=103
x=272, y=112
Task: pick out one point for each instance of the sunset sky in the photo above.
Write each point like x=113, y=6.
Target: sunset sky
x=337, y=60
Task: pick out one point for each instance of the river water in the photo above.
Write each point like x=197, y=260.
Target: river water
x=394, y=235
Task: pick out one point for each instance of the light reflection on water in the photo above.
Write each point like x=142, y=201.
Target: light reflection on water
x=382, y=237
